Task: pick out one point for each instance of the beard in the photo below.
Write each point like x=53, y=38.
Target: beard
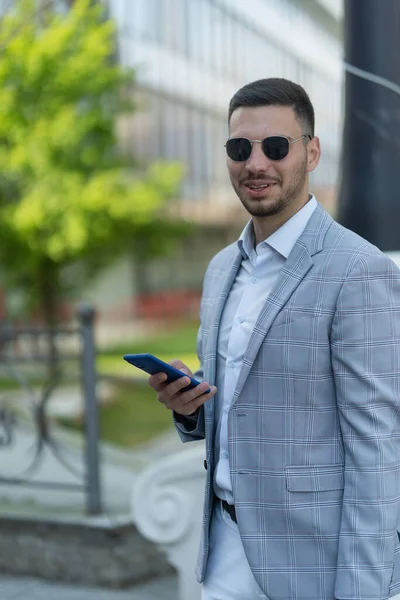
x=276, y=204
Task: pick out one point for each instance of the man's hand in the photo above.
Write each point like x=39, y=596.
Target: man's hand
x=171, y=394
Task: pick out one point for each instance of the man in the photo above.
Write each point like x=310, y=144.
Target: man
x=300, y=332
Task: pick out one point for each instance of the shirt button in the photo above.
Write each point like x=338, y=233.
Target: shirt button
x=226, y=410
x=254, y=280
x=241, y=320
x=226, y=454
x=233, y=365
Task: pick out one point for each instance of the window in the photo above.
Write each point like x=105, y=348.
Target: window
x=199, y=175
x=136, y=129
x=135, y=17
x=220, y=51
x=219, y=136
x=156, y=139
x=199, y=31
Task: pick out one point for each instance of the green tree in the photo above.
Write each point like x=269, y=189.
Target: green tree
x=70, y=201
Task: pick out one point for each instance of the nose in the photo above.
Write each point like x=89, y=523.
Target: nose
x=257, y=161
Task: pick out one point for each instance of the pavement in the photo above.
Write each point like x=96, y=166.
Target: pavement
x=34, y=589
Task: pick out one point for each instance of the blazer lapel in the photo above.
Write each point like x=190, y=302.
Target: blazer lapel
x=295, y=269
x=222, y=287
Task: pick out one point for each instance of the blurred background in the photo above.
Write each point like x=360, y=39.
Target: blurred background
x=189, y=57
x=114, y=196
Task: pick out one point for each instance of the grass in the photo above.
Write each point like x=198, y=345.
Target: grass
x=175, y=340
x=179, y=342
x=7, y=383
x=133, y=415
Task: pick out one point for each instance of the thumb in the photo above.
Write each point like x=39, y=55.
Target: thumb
x=178, y=364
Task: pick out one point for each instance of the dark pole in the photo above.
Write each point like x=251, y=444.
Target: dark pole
x=86, y=316
x=369, y=201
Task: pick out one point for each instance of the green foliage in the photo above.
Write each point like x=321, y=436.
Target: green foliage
x=67, y=194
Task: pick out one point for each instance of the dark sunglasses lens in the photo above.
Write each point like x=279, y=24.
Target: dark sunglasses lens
x=276, y=148
x=238, y=149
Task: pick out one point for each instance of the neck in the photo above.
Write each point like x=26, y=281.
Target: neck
x=264, y=227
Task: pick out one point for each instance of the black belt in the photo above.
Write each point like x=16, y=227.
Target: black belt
x=230, y=509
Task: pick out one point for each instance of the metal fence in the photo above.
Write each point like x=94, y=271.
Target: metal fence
x=34, y=363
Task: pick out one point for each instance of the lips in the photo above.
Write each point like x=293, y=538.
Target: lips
x=258, y=189
x=261, y=183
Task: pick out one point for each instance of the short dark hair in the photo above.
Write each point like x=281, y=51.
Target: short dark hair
x=276, y=91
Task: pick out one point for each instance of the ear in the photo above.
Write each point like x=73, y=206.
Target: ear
x=313, y=154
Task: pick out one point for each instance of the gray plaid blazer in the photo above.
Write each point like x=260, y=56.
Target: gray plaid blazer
x=314, y=427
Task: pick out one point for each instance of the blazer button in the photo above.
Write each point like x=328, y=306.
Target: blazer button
x=205, y=464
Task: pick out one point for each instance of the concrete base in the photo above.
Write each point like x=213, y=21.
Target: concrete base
x=81, y=552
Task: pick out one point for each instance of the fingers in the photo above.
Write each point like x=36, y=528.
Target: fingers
x=177, y=386
x=190, y=407
x=174, y=396
x=186, y=403
x=157, y=381
x=190, y=395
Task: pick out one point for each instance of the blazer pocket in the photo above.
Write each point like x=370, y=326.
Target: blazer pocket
x=314, y=478
x=293, y=320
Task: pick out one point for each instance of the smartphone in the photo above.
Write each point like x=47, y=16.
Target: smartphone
x=151, y=364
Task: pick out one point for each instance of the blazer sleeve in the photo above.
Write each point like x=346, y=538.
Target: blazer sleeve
x=192, y=428
x=365, y=346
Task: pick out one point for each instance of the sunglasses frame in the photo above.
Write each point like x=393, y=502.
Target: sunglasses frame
x=290, y=142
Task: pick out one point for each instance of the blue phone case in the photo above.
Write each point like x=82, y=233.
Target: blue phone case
x=151, y=364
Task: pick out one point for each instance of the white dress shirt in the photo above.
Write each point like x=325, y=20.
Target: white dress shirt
x=255, y=280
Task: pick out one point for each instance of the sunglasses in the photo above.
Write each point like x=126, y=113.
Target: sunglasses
x=275, y=147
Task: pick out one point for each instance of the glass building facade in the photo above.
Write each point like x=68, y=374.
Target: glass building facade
x=190, y=56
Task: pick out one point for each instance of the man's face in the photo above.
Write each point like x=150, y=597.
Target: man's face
x=286, y=179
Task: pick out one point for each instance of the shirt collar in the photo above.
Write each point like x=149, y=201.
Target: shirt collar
x=284, y=238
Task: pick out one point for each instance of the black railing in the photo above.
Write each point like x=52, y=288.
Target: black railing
x=33, y=362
